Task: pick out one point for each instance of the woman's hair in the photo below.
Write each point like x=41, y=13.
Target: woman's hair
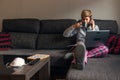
x=86, y=13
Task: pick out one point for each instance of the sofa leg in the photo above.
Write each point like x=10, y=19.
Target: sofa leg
x=58, y=78
x=52, y=78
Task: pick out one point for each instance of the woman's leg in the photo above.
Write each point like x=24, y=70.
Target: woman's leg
x=100, y=51
x=85, y=60
x=80, y=51
x=74, y=60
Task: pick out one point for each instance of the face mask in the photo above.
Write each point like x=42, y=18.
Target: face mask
x=17, y=62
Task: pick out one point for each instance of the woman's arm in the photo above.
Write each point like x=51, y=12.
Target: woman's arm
x=92, y=26
x=69, y=32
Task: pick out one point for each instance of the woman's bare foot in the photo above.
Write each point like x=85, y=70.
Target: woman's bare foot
x=73, y=61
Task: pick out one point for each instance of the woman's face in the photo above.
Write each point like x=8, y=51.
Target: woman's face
x=86, y=19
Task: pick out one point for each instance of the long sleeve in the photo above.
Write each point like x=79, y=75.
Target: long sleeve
x=96, y=28
x=69, y=32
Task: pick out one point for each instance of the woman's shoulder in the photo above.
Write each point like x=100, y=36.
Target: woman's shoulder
x=96, y=27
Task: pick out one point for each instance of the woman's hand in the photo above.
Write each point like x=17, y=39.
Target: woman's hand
x=92, y=22
x=77, y=25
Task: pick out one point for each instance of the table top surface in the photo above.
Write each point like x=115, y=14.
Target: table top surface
x=24, y=70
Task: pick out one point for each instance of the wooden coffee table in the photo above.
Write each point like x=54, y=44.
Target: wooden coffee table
x=38, y=71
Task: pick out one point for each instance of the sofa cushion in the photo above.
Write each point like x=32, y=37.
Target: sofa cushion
x=57, y=56
x=107, y=25
x=9, y=55
x=17, y=52
x=60, y=60
x=54, y=41
x=55, y=26
x=21, y=25
x=23, y=40
x=107, y=68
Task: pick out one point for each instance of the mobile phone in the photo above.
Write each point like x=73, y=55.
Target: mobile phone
x=90, y=21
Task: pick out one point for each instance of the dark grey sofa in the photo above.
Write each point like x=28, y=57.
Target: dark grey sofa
x=104, y=68
x=107, y=68
x=30, y=36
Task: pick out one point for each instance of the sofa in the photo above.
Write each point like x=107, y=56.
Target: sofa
x=30, y=36
x=99, y=68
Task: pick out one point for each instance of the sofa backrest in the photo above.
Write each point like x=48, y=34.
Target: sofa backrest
x=51, y=34
x=23, y=32
x=46, y=34
x=107, y=25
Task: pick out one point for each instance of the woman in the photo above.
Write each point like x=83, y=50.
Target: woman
x=80, y=28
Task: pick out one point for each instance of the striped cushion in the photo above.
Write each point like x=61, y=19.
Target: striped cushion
x=5, y=41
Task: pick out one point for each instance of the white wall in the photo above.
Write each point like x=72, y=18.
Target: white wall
x=58, y=9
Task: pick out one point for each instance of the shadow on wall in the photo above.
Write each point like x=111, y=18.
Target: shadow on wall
x=50, y=8
x=117, y=11
x=116, y=7
x=43, y=9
